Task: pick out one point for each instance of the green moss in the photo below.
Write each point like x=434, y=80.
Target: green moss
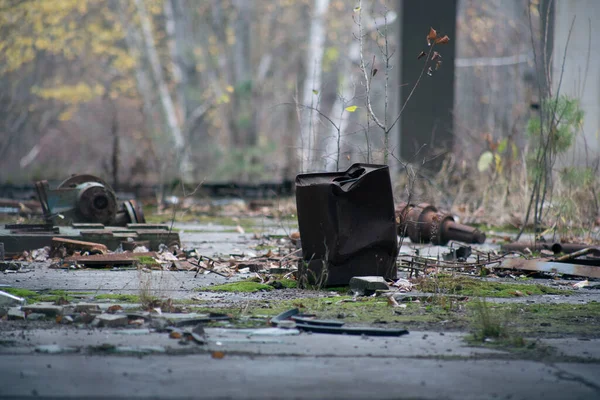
x=288, y=283
x=363, y=311
x=45, y=296
x=126, y=298
x=466, y=286
x=146, y=260
x=25, y=293
x=241, y=286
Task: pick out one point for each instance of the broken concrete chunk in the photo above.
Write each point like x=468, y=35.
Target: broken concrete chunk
x=10, y=266
x=112, y=320
x=35, y=316
x=55, y=349
x=49, y=310
x=87, y=307
x=367, y=285
x=15, y=313
x=7, y=300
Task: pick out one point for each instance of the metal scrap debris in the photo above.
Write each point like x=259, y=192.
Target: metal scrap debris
x=550, y=266
x=424, y=223
x=86, y=198
x=556, y=248
x=309, y=324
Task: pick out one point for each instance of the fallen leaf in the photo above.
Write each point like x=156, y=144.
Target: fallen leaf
x=351, y=108
x=114, y=309
x=432, y=35
x=295, y=235
x=315, y=91
x=392, y=301
x=240, y=229
x=175, y=335
x=217, y=355
x=518, y=293
x=443, y=40
x=374, y=72
x=581, y=284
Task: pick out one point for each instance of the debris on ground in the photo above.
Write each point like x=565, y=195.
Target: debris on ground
x=86, y=199
x=346, y=222
x=424, y=223
x=8, y=300
x=367, y=285
x=309, y=323
x=555, y=248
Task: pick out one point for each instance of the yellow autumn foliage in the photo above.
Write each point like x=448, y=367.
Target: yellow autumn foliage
x=86, y=32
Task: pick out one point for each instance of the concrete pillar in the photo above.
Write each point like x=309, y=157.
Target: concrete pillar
x=426, y=124
x=581, y=76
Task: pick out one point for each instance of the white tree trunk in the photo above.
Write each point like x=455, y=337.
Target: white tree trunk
x=176, y=59
x=333, y=144
x=163, y=92
x=312, y=86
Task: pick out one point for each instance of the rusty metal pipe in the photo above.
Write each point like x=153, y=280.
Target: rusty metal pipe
x=556, y=248
x=423, y=223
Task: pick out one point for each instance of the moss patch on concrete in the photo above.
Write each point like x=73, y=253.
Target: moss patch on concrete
x=240, y=287
x=126, y=298
x=466, y=286
x=44, y=295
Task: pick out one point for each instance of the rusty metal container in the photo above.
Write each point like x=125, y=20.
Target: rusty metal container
x=347, y=223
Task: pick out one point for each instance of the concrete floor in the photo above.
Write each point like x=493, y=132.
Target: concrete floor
x=54, y=361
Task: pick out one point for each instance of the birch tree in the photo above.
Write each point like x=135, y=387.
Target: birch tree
x=346, y=76
x=312, y=85
x=168, y=108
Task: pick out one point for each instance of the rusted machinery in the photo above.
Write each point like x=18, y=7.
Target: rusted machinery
x=424, y=223
x=86, y=199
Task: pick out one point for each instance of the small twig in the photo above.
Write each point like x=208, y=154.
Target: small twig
x=207, y=269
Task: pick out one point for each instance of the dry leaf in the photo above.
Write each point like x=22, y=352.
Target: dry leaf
x=438, y=64
x=175, y=335
x=374, y=72
x=240, y=229
x=432, y=35
x=114, y=309
x=421, y=55
x=295, y=235
x=217, y=355
x=436, y=55
x=442, y=40
x=429, y=71
x=392, y=301
x=581, y=284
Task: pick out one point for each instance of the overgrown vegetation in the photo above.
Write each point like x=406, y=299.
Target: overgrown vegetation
x=477, y=287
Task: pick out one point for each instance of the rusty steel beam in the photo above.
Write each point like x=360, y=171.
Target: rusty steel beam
x=424, y=223
x=543, y=265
